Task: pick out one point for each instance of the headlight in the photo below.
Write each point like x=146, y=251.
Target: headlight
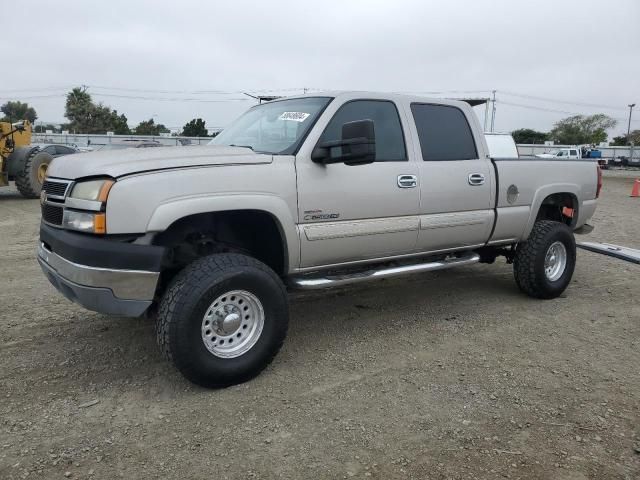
x=96, y=190
x=85, y=205
x=84, y=221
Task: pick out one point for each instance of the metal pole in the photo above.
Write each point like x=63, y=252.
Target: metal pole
x=631, y=105
x=252, y=96
x=486, y=115
x=493, y=112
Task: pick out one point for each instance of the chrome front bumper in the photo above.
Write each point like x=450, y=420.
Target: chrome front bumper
x=104, y=290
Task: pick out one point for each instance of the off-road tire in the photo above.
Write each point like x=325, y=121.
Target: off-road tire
x=15, y=161
x=27, y=181
x=529, y=261
x=189, y=296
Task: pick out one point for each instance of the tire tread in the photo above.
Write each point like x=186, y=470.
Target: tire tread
x=524, y=265
x=23, y=179
x=174, y=301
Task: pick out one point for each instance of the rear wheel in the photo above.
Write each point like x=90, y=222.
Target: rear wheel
x=30, y=175
x=544, y=264
x=223, y=319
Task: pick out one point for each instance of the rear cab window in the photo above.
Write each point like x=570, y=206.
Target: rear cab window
x=444, y=132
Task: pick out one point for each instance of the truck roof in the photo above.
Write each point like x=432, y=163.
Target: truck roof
x=359, y=94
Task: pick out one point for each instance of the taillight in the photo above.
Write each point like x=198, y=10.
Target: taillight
x=599, y=181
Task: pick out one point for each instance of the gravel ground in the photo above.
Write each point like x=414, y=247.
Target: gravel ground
x=453, y=374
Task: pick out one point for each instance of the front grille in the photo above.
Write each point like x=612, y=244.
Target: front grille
x=57, y=189
x=52, y=214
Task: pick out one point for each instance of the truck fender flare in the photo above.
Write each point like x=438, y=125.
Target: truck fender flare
x=542, y=193
x=171, y=211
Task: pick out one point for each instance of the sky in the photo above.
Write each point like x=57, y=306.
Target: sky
x=174, y=61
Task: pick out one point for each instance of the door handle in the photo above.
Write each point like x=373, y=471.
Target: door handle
x=476, y=179
x=407, y=181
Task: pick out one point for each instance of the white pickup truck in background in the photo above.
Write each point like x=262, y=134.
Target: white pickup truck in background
x=563, y=154
x=575, y=153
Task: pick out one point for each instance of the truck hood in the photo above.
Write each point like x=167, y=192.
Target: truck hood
x=545, y=155
x=117, y=163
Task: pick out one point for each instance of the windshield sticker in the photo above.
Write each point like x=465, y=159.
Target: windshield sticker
x=294, y=116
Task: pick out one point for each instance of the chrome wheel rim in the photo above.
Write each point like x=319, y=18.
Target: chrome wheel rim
x=555, y=261
x=232, y=324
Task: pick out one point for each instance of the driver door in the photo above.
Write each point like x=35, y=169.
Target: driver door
x=356, y=213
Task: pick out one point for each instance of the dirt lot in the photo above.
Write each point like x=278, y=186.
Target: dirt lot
x=447, y=375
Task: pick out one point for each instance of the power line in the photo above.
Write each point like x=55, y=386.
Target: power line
x=42, y=89
x=134, y=97
x=194, y=92
x=555, y=100
x=148, y=90
x=445, y=92
x=280, y=90
x=166, y=99
x=174, y=92
x=31, y=97
x=237, y=92
x=552, y=110
x=231, y=92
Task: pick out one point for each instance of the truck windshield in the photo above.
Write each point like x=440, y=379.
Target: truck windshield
x=275, y=127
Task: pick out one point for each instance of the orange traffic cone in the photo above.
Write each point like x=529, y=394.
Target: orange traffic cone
x=635, y=191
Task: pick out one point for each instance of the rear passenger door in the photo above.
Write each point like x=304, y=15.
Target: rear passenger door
x=456, y=190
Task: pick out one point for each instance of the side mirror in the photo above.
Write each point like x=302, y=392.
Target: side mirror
x=357, y=146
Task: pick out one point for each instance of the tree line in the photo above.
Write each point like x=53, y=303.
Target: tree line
x=577, y=130
x=86, y=116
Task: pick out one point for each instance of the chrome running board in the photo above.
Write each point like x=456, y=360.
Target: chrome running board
x=309, y=282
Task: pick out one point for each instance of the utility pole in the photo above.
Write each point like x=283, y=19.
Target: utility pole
x=486, y=115
x=631, y=105
x=493, y=110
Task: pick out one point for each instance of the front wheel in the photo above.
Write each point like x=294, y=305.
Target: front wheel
x=544, y=264
x=223, y=319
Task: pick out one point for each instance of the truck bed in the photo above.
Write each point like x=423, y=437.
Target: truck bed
x=522, y=184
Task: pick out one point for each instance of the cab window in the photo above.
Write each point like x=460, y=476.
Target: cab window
x=386, y=123
x=444, y=133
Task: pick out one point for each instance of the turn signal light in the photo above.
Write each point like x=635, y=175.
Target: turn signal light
x=100, y=222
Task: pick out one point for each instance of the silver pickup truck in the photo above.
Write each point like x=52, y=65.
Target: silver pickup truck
x=302, y=193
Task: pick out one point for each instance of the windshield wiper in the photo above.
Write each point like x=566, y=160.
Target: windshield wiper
x=242, y=146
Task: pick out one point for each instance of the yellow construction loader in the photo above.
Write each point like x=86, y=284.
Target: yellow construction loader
x=21, y=162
